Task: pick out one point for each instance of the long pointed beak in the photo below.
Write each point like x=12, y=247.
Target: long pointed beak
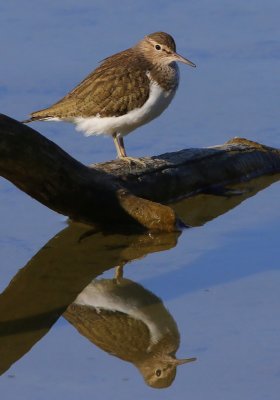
x=184, y=60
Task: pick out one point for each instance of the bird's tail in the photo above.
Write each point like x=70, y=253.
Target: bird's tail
x=50, y=113
x=37, y=116
x=26, y=121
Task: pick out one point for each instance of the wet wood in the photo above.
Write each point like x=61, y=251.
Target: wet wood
x=120, y=193
x=172, y=176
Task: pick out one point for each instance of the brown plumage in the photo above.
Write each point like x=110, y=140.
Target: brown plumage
x=116, y=87
x=144, y=78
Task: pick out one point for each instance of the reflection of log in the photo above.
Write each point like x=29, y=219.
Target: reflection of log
x=52, y=279
x=204, y=207
x=106, y=193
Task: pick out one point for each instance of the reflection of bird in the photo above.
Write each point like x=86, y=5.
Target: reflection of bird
x=126, y=91
x=129, y=322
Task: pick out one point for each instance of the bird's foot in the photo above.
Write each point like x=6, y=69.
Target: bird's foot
x=133, y=161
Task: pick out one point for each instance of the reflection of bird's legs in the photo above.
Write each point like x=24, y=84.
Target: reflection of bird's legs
x=119, y=143
x=119, y=273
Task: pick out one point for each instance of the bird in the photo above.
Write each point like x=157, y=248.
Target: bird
x=125, y=91
x=130, y=322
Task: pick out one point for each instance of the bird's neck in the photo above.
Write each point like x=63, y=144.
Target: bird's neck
x=167, y=76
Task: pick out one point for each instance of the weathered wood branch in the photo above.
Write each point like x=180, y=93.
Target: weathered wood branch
x=169, y=177
x=107, y=193
x=43, y=170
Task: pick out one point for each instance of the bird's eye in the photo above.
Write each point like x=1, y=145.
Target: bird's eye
x=158, y=372
x=158, y=47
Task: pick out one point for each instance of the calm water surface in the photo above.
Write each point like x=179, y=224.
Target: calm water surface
x=216, y=285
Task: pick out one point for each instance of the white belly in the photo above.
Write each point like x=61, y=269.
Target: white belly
x=154, y=106
x=104, y=294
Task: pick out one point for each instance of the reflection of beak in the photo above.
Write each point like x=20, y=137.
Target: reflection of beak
x=184, y=361
x=184, y=60
x=170, y=359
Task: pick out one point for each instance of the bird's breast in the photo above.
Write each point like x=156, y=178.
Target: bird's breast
x=158, y=100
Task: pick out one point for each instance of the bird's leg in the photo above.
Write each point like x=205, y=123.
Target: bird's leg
x=119, y=273
x=119, y=143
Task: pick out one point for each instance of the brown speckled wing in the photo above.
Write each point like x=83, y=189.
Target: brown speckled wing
x=116, y=87
x=112, y=331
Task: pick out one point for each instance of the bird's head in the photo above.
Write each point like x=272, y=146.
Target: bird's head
x=159, y=370
x=160, y=48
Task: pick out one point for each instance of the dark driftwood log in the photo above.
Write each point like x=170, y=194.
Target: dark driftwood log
x=43, y=170
x=172, y=176
x=107, y=193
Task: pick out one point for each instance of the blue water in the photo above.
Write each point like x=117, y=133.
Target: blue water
x=221, y=281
